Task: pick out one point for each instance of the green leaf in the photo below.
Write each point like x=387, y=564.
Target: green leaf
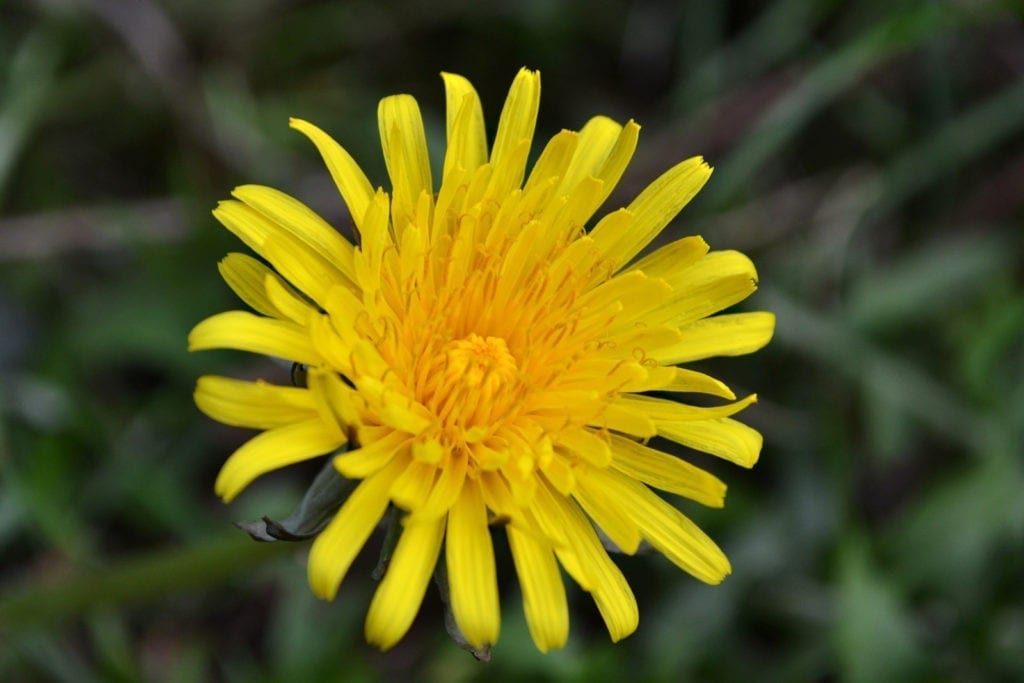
x=950, y=538
x=873, y=632
x=824, y=83
x=927, y=282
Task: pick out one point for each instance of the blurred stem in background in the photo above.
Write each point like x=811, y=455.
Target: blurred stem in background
x=154, y=576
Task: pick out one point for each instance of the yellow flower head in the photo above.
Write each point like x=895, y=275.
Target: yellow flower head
x=486, y=357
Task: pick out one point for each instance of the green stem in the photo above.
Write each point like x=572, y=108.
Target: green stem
x=144, y=578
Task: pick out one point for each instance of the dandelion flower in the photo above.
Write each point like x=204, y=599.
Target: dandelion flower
x=488, y=360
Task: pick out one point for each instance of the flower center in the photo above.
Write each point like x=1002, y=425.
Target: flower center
x=475, y=381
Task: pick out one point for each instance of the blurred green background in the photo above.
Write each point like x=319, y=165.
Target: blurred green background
x=869, y=156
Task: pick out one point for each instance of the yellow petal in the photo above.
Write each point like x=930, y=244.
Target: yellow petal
x=412, y=486
x=587, y=445
x=553, y=160
x=398, y=598
x=545, y=513
x=677, y=255
x=558, y=472
x=607, y=513
x=519, y=206
x=450, y=208
x=405, y=153
x=394, y=408
x=634, y=289
x=561, y=404
x=653, y=209
x=467, y=137
x=709, y=268
x=274, y=449
x=298, y=262
x=343, y=405
x=627, y=420
x=375, y=239
x=606, y=375
x=301, y=221
x=666, y=472
x=516, y=264
x=413, y=243
x=579, y=257
x=338, y=544
x=368, y=365
x=243, y=331
x=679, y=379
x=565, y=219
x=245, y=276
x=691, y=381
x=544, y=601
x=516, y=126
x=497, y=494
x=287, y=301
x=478, y=182
x=343, y=308
x=371, y=457
x=472, y=579
x=325, y=406
x=596, y=138
x=616, y=602
x=614, y=228
x=724, y=437
x=663, y=411
x=638, y=343
x=604, y=581
x=446, y=489
x=335, y=351
x=253, y=404
x=244, y=223
x=668, y=530
x=733, y=334
x=463, y=250
x=352, y=183
x=618, y=159
x=487, y=459
x=508, y=175
x=715, y=282
x=309, y=273
x=604, y=151
x=520, y=468
x=428, y=450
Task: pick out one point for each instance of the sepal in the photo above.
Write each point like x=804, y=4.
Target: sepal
x=322, y=499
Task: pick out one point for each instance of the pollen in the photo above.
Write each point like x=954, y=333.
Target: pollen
x=472, y=382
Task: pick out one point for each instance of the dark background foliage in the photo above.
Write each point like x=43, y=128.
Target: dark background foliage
x=869, y=157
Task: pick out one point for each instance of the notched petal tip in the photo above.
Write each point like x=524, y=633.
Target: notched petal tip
x=223, y=208
x=718, y=500
x=527, y=72
x=725, y=570
x=701, y=163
